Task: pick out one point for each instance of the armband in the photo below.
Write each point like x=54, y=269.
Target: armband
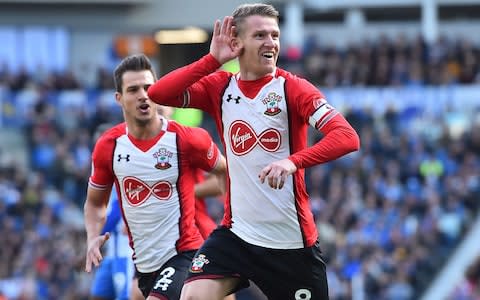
x=324, y=113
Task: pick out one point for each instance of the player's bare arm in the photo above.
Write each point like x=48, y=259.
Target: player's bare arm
x=210, y=187
x=95, y=215
x=220, y=173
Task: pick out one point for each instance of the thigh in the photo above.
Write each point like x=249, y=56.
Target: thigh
x=210, y=289
x=102, y=284
x=223, y=255
x=167, y=282
x=298, y=274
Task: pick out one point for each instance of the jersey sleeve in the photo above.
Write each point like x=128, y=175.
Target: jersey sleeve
x=339, y=138
x=310, y=103
x=201, y=150
x=102, y=172
x=176, y=88
x=206, y=93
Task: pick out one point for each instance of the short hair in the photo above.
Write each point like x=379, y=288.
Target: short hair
x=253, y=9
x=134, y=62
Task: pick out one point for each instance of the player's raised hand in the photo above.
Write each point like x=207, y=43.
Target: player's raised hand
x=94, y=254
x=276, y=173
x=221, y=45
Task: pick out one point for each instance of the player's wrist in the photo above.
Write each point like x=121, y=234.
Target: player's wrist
x=212, y=61
x=295, y=163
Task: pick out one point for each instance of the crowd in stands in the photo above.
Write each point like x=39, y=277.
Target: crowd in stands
x=388, y=216
x=387, y=61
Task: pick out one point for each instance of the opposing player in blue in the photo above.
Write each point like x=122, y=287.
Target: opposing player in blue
x=112, y=279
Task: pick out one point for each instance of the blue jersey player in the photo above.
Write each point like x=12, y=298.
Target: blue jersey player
x=112, y=279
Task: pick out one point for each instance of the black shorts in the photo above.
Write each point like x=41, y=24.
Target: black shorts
x=168, y=280
x=279, y=273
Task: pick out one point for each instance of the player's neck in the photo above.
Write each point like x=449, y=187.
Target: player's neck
x=252, y=76
x=145, y=131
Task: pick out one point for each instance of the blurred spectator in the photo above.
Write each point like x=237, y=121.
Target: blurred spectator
x=469, y=287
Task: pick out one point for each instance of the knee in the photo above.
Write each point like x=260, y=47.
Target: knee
x=188, y=294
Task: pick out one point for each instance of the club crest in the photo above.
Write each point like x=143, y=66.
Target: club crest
x=163, y=157
x=198, y=263
x=271, y=103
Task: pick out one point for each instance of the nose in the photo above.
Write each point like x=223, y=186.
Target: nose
x=143, y=93
x=269, y=40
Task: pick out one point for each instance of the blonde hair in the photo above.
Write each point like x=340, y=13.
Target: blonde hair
x=253, y=9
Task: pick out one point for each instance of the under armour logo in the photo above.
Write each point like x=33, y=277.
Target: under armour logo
x=237, y=99
x=126, y=157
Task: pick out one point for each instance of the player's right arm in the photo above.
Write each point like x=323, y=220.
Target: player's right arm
x=95, y=214
x=183, y=88
x=98, y=193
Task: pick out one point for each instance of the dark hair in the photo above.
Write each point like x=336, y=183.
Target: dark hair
x=253, y=9
x=134, y=62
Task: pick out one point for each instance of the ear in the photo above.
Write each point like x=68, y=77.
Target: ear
x=236, y=44
x=118, y=98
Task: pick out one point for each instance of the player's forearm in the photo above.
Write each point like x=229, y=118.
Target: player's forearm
x=94, y=217
x=209, y=188
x=169, y=89
x=339, y=140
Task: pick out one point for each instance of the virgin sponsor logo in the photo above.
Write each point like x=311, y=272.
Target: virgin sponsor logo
x=137, y=191
x=243, y=138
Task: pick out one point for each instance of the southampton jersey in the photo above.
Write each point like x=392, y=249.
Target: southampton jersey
x=260, y=122
x=155, y=185
x=257, y=130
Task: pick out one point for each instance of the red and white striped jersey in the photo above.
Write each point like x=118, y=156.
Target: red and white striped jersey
x=155, y=182
x=258, y=129
x=260, y=122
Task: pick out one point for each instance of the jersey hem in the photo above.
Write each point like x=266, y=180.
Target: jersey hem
x=268, y=244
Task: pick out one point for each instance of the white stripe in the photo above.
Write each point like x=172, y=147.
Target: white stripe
x=97, y=186
x=327, y=118
x=319, y=114
x=186, y=99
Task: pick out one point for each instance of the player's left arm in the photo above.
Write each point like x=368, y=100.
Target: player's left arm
x=208, y=157
x=339, y=137
x=215, y=182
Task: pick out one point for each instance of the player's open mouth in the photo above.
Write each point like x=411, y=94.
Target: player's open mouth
x=144, y=107
x=269, y=55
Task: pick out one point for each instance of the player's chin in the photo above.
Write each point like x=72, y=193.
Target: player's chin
x=144, y=117
x=267, y=69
